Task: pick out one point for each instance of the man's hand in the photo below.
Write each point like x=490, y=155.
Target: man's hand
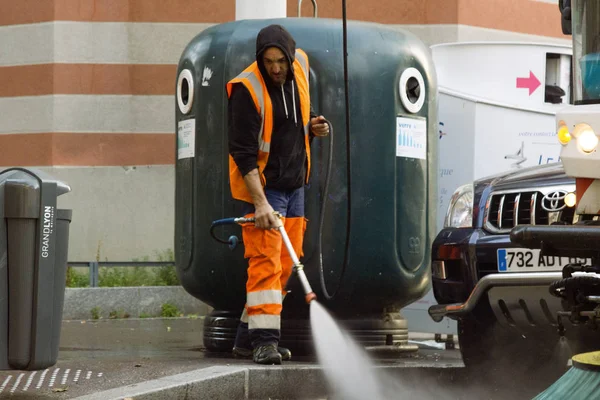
x=319, y=127
x=265, y=218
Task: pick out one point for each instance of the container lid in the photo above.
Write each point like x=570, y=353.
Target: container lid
x=27, y=174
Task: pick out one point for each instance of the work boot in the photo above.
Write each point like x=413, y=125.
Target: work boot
x=240, y=352
x=267, y=354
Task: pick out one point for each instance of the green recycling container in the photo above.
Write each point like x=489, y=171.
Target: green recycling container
x=378, y=221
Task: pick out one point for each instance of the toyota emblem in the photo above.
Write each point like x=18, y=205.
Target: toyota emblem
x=554, y=201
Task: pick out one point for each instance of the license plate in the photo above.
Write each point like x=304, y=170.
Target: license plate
x=531, y=260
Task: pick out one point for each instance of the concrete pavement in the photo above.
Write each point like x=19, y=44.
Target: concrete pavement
x=164, y=359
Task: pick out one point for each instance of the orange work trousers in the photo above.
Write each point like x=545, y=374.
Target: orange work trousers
x=270, y=265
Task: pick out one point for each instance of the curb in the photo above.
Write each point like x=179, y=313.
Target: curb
x=227, y=383
x=240, y=383
x=133, y=301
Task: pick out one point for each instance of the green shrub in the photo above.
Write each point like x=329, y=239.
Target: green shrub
x=130, y=276
x=124, y=276
x=77, y=279
x=167, y=275
x=95, y=312
x=168, y=310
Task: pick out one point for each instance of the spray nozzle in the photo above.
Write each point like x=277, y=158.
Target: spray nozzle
x=299, y=270
x=310, y=297
x=561, y=327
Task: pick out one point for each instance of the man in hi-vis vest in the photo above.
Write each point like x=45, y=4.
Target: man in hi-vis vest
x=271, y=125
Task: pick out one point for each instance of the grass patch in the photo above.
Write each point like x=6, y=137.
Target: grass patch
x=169, y=310
x=77, y=279
x=95, y=312
x=124, y=276
x=129, y=276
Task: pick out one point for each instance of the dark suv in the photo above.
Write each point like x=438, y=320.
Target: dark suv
x=496, y=290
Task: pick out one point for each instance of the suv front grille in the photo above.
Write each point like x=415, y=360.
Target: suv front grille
x=507, y=209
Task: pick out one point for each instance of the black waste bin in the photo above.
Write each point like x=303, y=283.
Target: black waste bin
x=34, y=238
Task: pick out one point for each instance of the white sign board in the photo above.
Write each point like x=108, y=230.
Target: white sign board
x=411, y=138
x=186, y=139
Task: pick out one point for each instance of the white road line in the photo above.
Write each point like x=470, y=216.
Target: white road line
x=16, y=385
x=100, y=374
x=29, y=380
x=65, y=377
x=53, y=377
x=42, y=377
x=77, y=373
x=8, y=378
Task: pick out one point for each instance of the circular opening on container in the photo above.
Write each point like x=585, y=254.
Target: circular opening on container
x=412, y=90
x=185, y=91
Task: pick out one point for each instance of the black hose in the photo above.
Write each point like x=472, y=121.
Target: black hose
x=226, y=221
x=322, y=213
x=348, y=171
x=348, y=144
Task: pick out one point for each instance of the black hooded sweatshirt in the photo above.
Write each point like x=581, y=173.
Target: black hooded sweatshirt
x=287, y=164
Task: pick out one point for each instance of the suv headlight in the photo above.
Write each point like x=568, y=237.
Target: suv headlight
x=460, y=210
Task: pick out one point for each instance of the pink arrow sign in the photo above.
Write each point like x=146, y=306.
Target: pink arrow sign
x=531, y=83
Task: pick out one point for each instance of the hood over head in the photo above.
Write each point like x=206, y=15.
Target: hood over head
x=276, y=36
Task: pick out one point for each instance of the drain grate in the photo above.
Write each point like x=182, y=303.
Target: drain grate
x=24, y=381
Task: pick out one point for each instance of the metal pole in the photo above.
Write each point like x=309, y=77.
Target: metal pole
x=94, y=274
x=298, y=268
x=91, y=272
x=288, y=244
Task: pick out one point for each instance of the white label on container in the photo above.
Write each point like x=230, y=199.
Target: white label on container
x=411, y=138
x=186, y=139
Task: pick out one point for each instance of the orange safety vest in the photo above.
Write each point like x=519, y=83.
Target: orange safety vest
x=254, y=82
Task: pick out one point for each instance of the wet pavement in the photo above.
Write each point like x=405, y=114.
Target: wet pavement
x=99, y=355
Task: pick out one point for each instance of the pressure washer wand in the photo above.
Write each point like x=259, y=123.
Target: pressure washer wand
x=298, y=267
